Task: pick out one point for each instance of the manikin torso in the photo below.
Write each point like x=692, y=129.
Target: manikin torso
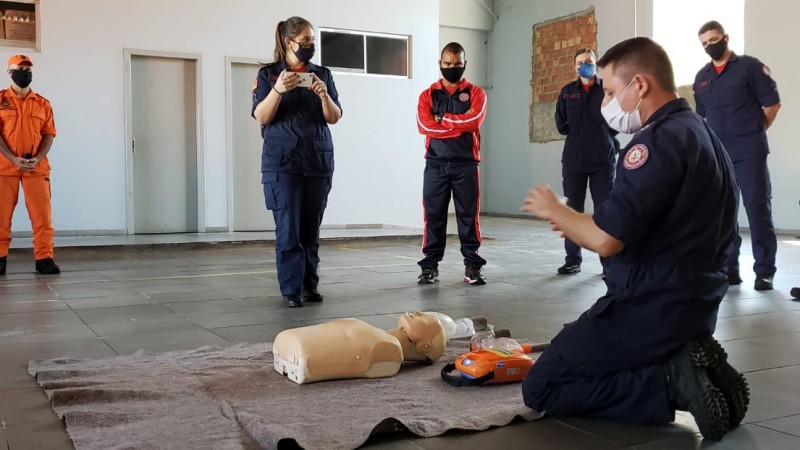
x=351, y=348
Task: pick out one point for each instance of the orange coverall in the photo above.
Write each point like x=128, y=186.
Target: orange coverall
x=23, y=124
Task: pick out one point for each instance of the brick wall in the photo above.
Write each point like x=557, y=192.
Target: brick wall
x=554, y=45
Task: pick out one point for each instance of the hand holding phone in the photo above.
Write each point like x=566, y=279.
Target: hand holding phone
x=306, y=79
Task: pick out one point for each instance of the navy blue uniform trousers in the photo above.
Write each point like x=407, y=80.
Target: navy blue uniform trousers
x=752, y=178
x=611, y=362
x=575, y=190
x=297, y=203
x=464, y=183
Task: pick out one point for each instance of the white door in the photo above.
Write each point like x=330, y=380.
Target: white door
x=164, y=111
x=249, y=211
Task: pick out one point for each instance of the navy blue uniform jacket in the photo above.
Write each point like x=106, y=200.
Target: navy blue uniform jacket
x=297, y=140
x=732, y=103
x=589, y=146
x=674, y=205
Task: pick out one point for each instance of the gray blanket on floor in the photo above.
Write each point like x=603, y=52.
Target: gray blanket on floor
x=231, y=398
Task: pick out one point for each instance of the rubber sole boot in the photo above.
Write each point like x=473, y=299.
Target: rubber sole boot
x=690, y=389
x=733, y=384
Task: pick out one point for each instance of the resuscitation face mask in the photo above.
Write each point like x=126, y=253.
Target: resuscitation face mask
x=627, y=122
x=717, y=49
x=452, y=74
x=587, y=70
x=304, y=52
x=22, y=78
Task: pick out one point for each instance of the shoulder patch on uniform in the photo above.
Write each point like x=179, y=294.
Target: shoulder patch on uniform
x=463, y=97
x=636, y=156
x=766, y=70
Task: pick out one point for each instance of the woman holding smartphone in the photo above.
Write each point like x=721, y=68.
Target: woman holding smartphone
x=297, y=156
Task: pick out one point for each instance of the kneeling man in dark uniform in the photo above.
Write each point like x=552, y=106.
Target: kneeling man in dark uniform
x=645, y=349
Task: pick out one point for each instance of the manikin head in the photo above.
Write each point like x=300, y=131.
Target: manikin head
x=421, y=336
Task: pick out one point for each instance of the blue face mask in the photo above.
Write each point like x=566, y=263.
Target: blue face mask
x=586, y=70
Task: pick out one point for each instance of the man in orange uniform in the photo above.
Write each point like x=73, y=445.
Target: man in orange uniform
x=27, y=131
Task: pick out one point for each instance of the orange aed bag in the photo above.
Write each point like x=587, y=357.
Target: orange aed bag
x=488, y=366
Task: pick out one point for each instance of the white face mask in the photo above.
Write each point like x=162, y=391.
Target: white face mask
x=619, y=119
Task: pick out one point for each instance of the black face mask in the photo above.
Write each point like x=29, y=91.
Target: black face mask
x=717, y=49
x=304, y=52
x=22, y=78
x=452, y=74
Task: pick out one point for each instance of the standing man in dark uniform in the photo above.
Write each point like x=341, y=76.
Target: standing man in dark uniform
x=450, y=114
x=739, y=99
x=645, y=349
x=589, y=151
x=297, y=157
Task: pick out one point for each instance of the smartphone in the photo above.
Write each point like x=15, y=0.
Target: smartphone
x=306, y=78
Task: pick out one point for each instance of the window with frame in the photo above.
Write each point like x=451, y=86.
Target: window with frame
x=365, y=52
x=19, y=27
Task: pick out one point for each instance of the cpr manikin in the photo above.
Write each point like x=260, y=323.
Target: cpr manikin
x=351, y=348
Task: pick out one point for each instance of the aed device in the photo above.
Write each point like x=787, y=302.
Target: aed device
x=487, y=366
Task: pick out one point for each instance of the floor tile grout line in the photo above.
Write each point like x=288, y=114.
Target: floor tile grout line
x=776, y=431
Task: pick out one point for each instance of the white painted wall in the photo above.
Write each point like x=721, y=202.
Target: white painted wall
x=511, y=163
x=379, y=154
x=472, y=14
x=768, y=38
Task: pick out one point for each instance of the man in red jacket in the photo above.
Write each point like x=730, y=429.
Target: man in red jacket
x=450, y=114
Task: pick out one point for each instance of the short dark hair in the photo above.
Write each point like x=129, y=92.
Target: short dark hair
x=454, y=48
x=581, y=51
x=637, y=55
x=711, y=25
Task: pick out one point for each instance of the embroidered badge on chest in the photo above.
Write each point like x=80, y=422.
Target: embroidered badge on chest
x=636, y=157
x=463, y=97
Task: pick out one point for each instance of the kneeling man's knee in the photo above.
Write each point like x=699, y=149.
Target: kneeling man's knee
x=534, y=389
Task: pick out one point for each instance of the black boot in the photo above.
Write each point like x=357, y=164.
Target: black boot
x=312, y=295
x=732, y=383
x=47, y=266
x=292, y=301
x=3, y=264
x=690, y=389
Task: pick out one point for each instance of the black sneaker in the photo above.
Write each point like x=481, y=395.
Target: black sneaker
x=292, y=301
x=47, y=266
x=569, y=269
x=3, y=264
x=690, y=389
x=734, y=279
x=428, y=276
x=732, y=383
x=474, y=275
x=312, y=295
x=763, y=283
